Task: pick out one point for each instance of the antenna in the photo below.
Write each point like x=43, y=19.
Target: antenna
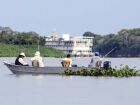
x=38, y=45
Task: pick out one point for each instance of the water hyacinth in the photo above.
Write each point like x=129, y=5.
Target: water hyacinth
x=123, y=71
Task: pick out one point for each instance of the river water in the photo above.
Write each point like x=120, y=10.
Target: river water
x=69, y=90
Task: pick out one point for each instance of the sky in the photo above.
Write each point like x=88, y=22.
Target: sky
x=70, y=16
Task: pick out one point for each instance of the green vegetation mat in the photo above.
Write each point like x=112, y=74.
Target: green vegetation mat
x=124, y=71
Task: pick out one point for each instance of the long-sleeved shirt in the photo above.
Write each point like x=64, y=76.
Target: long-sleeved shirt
x=22, y=61
x=94, y=60
x=39, y=60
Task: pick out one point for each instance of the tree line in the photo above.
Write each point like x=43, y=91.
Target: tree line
x=13, y=42
x=126, y=43
x=8, y=36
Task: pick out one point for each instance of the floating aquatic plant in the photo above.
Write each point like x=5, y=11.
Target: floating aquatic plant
x=123, y=71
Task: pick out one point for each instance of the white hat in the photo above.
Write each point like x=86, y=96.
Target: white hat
x=22, y=54
x=37, y=53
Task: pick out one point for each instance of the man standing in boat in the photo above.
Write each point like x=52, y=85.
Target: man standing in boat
x=96, y=61
x=20, y=60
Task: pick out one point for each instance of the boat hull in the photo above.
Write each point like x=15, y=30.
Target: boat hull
x=18, y=69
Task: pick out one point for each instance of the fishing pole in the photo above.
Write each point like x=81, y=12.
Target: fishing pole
x=109, y=51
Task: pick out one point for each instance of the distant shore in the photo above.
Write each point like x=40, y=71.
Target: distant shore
x=9, y=50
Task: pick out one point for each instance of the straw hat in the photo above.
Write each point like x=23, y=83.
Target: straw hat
x=22, y=54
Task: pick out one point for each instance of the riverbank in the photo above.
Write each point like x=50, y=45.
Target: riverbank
x=8, y=50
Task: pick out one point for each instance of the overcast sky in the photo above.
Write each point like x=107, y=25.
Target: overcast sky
x=70, y=16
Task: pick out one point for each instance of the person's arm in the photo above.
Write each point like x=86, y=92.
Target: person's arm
x=41, y=64
x=22, y=61
x=70, y=63
x=92, y=61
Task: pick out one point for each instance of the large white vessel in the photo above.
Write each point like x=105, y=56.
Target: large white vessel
x=75, y=45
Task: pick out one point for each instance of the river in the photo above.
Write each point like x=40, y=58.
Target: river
x=69, y=90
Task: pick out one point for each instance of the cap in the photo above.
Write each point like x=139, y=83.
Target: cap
x=37, y=53
x=96, y=53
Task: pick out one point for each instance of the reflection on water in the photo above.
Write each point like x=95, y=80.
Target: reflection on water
x=68, y=90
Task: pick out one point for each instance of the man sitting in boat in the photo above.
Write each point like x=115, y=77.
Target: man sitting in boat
x=19, y=60
x=67, y=62
x=37, y=60
x=96, y=61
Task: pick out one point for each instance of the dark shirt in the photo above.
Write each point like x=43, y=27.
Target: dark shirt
x=17, y=61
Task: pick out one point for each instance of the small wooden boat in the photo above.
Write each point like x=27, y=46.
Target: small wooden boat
x=18, y=69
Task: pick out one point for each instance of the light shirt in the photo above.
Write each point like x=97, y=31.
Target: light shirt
x=22, y=61
x=39, y=59
x=94, y=60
